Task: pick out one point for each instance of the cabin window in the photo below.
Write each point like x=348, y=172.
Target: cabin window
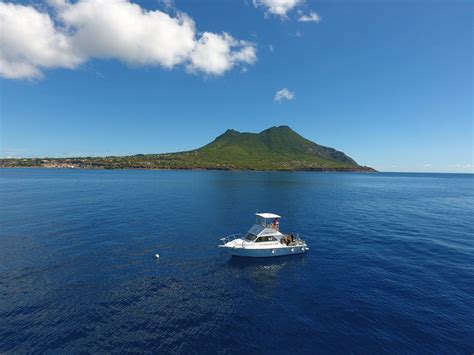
x=250, y=237
x=269, y=238
x=262, y=221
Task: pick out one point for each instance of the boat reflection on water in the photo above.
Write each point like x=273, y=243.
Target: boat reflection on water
x=267, y=273
x=267, y=263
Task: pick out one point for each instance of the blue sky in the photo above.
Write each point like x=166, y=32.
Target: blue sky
x=390, y=83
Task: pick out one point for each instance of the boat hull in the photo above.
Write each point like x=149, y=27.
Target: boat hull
x=267, y=253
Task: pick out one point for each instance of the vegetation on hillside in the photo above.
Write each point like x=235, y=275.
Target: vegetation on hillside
x=277, y=148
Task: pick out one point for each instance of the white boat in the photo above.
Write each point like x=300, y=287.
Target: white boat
x=264, y=239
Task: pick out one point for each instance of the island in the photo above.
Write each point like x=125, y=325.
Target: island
x=274, y=149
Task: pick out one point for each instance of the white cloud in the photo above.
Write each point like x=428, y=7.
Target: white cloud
x=284, y=94
x=168, y=4
x=29, y=41
x=118, y=29
x=281, y=8
x=215, y=54
x=278, y=7
x=460, y=167
x=123, y=30
x=312, y=17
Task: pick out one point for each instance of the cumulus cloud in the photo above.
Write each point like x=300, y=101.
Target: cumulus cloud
x=123, y=30
x=312, y=17
x=284, y=94
x=32, y=40
x=169, y=4
x=29, y=41
x=281, y=8
x=215, y=54
x=278, y=7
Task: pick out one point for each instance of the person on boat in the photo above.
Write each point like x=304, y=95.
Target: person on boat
x=275, y=224
x=292, y=237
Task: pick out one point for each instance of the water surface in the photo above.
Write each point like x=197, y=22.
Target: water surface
x=390, y=266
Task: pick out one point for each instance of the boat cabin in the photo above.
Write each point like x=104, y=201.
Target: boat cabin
x=268, y=220
x=265, y=229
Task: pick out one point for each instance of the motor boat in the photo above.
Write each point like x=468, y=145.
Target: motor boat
x=264, y=239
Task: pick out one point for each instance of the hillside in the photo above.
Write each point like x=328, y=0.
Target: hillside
x=276, y=148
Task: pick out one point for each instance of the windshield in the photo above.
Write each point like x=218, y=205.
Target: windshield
x=250, y=237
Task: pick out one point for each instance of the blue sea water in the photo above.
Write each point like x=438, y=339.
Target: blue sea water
x=390, y=267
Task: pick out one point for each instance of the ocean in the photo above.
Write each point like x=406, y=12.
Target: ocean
x=390, y=267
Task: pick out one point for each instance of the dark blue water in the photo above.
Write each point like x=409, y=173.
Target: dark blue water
x=390, y=267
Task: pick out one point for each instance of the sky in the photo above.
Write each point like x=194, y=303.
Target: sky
x=390, y=83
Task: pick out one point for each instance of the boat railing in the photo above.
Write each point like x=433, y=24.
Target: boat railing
x=230, y=238
x=274, y=226
x=297, y=240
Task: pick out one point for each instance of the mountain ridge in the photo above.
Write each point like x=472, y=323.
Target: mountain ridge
x=275, y=148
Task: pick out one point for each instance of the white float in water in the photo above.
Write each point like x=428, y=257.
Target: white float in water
x=157, y=256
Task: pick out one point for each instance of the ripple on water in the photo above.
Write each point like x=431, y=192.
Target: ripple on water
x=389, y=267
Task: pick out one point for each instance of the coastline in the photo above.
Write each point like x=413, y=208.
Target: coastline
x=312, y=170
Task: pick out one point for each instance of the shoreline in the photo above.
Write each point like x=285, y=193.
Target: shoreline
x=310, y=170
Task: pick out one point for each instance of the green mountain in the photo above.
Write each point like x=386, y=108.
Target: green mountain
x=276, y=148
